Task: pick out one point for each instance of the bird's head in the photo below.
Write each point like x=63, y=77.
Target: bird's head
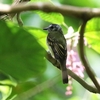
x=53, y=28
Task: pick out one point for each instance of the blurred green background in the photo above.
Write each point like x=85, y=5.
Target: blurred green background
x=23, y=66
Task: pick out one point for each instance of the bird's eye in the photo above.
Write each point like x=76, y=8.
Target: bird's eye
x=51, y=27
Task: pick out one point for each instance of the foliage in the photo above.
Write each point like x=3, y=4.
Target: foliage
x=23, y=67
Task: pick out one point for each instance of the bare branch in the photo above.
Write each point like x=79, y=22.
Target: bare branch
x=37, y=89
x=17, y=14
x=74, y=76
x=47, y=7
x=84, y=58
x=19, y=20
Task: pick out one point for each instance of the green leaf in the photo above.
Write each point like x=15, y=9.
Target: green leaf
x=21, y=56
x=93, y=34
x=51, y=17
x=39, y=34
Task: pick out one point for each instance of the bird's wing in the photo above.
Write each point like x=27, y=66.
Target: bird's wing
x=59, y=51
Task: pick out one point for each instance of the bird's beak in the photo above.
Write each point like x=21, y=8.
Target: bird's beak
x=45, y=28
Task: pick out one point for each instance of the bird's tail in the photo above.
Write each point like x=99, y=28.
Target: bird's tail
x=64, y=73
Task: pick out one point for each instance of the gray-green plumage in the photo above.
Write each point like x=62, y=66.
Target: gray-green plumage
x=58, y=47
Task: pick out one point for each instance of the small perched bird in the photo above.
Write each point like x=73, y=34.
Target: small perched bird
x=58, y=48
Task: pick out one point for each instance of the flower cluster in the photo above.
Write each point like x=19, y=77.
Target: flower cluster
x=73, y=60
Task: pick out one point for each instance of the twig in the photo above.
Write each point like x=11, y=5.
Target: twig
x=17, y=14
x=83, y=56
x=74, y=76
x=37, y=89
x=47, y=7
x=19, y=20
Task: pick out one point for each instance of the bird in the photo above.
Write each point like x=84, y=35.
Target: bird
x=58, y=47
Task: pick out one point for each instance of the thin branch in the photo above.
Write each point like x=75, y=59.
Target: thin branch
x=17, y=14
x=37, y=89
x=19, y=20
x=47, y=7
x=74, y=76
x=83, y=56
